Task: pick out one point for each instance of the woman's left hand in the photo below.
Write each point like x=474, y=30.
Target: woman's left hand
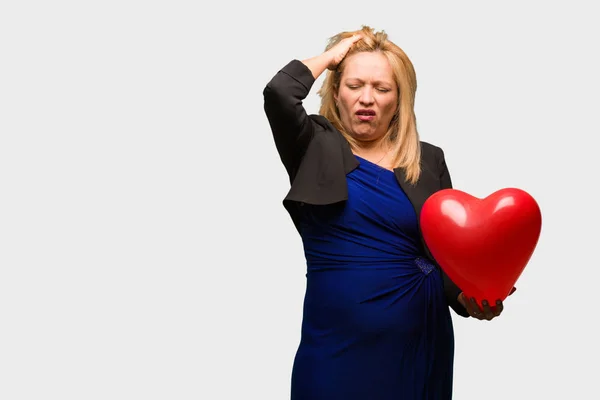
x=488, y=313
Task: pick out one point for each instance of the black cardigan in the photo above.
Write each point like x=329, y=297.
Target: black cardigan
x=317, y=157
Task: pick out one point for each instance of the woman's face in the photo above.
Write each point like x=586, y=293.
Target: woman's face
x=368, y=96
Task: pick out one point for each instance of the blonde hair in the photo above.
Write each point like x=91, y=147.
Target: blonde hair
x=402, y=134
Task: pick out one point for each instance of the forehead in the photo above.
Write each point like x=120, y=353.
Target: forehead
x=368, y=66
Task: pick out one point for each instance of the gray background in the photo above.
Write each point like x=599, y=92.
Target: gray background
x=144, y=250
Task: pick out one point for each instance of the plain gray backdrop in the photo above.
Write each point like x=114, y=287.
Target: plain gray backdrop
x=144, y=249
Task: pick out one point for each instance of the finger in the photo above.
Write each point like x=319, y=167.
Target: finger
x=514, y=289
x=344, y=47
x=472, y=311
x=461, y=300
x=476, y=311
x=356, y=37
x=499, y=307
x=350, y=42
x=467, y=304
x=487, y=310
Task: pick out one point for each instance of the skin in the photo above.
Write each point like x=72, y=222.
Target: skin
x=367, y=82
x=364, y=77
x=487, y=312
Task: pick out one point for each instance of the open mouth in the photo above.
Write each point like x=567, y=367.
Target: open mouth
x=365, y=115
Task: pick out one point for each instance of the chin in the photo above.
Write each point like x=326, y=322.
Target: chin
x=364, y=136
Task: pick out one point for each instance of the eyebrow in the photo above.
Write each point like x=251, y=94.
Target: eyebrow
x=378, y=82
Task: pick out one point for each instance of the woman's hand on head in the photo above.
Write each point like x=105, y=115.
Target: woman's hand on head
x=339, y=51
x=487, y=312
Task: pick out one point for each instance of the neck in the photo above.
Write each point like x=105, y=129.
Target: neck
x=377, y=152
x=373, y=148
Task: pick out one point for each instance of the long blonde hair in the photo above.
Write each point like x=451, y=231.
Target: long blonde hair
x=402, y=134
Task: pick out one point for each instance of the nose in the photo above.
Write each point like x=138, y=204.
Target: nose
x=366, y=95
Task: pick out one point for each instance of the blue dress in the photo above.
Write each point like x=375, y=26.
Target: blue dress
x=376, y=325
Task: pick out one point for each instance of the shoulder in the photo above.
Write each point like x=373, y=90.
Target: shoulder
x=324, y=130
x=431, y=152
x=322, y=123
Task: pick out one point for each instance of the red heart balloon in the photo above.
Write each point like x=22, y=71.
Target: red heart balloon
x=483, y=245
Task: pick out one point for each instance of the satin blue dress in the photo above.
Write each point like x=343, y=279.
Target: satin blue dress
x=376, y=325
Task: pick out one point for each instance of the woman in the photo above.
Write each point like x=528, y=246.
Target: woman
x=376, y=321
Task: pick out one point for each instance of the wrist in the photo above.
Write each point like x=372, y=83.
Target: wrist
x=318, y=64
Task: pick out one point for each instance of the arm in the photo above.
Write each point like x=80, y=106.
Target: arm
x=451, y=290
x=291, y=127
